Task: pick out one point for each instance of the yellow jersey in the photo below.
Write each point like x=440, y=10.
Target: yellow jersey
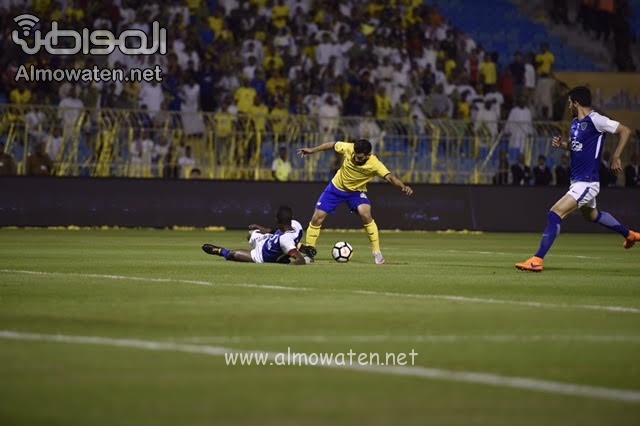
x=352, y=177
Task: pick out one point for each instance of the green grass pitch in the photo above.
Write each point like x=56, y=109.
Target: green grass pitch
x=128, y=327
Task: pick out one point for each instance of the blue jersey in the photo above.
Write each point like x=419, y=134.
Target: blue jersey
x=587, y=142
x=277, y=246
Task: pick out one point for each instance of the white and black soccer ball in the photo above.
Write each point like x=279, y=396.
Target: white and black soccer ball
x=341, y=251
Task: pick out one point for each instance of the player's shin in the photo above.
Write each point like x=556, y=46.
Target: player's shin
x=550, y=234
x=313, y=232
x=608, y=221
x=372, y=233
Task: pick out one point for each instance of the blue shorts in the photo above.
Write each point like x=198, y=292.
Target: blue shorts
x=332, y=197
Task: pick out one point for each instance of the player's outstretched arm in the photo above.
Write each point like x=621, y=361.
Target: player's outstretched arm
x=262, y=229
x=624, y=133
x=392, y=179
x=308, y=151
x=560, y=142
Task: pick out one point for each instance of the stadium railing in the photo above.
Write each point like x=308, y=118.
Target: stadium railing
x=110, y=143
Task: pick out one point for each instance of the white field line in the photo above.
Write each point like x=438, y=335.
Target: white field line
x=522, y=383
x=447, y=338
x=499, y=253
x=450, y=298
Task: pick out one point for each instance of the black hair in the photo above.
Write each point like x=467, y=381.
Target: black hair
x=284, y=215
x=362, y=146
x=581, y=95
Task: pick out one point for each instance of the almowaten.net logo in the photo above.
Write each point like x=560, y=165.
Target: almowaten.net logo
x=56, y=41
x=98, y=42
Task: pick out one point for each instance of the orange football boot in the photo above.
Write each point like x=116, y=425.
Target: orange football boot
x=533, y=264
x=633, y=238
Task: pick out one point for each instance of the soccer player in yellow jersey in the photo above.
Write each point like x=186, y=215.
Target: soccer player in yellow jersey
x=349, y=185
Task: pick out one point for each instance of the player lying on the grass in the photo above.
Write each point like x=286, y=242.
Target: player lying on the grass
x=349, y=185
x=307, y=251
x=281, y=246
x=586, y=145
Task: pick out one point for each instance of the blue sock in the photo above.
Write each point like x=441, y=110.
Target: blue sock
x=608, y=221
x=550, y=234
x=226, y=253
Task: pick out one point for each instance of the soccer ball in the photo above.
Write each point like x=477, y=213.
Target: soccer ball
x=341, y=251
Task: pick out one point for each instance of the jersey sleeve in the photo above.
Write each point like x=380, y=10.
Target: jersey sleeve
x=341, y=147
x=379, y=167
x=604, y=124
x=287, y=243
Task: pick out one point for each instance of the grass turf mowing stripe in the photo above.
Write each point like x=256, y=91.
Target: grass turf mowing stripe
x=451, y=298
x=522, y=383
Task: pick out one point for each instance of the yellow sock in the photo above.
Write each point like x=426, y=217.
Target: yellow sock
x=372, y=233
x=313, y=232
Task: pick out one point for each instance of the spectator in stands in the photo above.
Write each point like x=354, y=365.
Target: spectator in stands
x=560, y=97
x=249, y=69
x=195, y=173
x=39, y=163
x=244, y=96
x=151, y=95
x=7, y=163
x=9, y=75
x=279, y=119
x=383, y=104
x=632, y=172
x=520, y=172
x=519, y=126
x=171, y=169
x=607, y=177
x=54, y=143
x=36, y=123
x=496, y=98
x=258, y=114
x=486, y=119
x=542, y=173
x=489, y=73
x=192, y=122
x=328, y=119
x=517, y=70
x=186, y=162
x=502, y=175
x=21, y=95
x=281, y=166
x=207, y=80
x=563, y=172
x=544, y=61
x=472, y=67
x=70, y=109
x=439, y=105
x=543, y=96
x=529, y=77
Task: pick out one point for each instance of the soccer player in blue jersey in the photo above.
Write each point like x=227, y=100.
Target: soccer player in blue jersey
x=586, y=144
x=349, y=185
x=278, y=246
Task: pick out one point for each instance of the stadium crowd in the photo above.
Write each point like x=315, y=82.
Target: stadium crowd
x=304, y=56
x=274, y=58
